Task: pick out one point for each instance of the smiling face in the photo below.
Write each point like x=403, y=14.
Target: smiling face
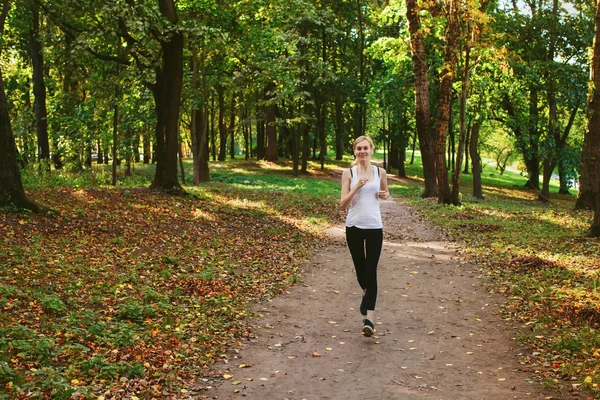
x=363, y=150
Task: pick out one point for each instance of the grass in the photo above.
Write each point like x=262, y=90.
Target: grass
x=126, y=292
x=123, y=283
x=537, y=255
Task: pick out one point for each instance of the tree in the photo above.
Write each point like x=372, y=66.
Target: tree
x=39, y=86
x=422, y=111
x=167, y=97
x=11, y=185
x=590, y=158
x=445, y=101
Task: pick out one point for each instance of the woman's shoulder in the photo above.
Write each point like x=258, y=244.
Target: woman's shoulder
x=381, y=171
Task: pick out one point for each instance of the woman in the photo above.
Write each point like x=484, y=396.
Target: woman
x=362, y=186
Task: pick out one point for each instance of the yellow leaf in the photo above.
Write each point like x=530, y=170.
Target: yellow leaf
x=243, y=366
x=328, y=349
x=227, y=376
x=588, y=379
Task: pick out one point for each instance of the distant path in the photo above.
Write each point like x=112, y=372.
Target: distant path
x=438, y=333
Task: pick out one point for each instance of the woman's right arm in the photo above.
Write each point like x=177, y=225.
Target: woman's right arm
x=347, y=193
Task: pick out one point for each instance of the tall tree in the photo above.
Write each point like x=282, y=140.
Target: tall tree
x=422, y=111
x=590, y=157
x=39, y=85
x=11, y=185
x=445, y=101
x=167, y=96
x=473, y=21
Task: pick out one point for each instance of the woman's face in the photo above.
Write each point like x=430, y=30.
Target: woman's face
x=363, y=150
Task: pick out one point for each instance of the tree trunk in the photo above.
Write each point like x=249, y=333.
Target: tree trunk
x=222, y=127
x=115, y=141
x=423, y=118
x=250, y=150
x=181, y=168
x=551, y=145
x=213, y=134
x=270, y=116
x=414, y=145
x=322, y=108
x=339, y=127
x=401, y=159
x=100, y=153
x=260, y=139
x=39, y=87
x=322, y=102
x=562, y=177
x=590, y=155
x=463, y=128
x=147, y=149
x=167, y=98
x=11, y=185
x=445, y=103
x=532, y=160
x=246, y=126
x=198, y=123
x=476, y=161
x=306, y=139
x=201, y=168
x=231, y=127
x=360, y=110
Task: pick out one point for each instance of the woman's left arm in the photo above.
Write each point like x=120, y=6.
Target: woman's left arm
x=383, y=185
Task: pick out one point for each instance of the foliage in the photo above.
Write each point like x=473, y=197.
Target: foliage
x=538, y=258
x=125, y=283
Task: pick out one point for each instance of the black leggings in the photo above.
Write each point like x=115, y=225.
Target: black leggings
x=365, y=248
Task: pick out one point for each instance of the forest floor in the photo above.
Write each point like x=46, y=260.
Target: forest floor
x=439, y=332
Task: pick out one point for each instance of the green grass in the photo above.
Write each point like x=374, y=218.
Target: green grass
x=538, y=256
x=127, y=270
x=120, y=282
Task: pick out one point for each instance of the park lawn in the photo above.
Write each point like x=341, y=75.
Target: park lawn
x=121, y=291
x=537, y=255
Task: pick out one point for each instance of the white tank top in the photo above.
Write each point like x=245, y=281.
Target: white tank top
x=364, y=210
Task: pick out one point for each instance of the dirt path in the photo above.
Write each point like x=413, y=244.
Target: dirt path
x=438, y=334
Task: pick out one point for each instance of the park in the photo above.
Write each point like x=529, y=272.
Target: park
x=170, y=176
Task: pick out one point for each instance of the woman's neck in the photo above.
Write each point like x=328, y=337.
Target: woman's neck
x=363, y=165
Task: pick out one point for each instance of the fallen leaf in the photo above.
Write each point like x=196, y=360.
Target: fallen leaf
x=315, y=354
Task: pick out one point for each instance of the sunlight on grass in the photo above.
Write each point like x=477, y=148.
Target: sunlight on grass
x=537, y=255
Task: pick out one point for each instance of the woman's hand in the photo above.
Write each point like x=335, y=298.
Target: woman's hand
x=383, y=194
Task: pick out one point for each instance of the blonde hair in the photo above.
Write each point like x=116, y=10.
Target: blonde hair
x=357, y=141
